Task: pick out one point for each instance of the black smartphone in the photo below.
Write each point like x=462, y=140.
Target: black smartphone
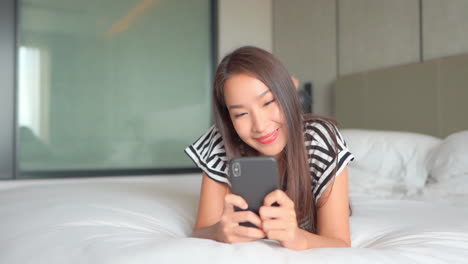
x=253, y=178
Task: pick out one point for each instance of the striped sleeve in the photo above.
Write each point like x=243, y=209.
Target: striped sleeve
x=209, y=155
x=327, y=152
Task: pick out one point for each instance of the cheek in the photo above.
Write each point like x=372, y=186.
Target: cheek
x=242, y=127
x=277, y=115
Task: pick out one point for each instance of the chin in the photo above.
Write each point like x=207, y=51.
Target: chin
x=272, y=151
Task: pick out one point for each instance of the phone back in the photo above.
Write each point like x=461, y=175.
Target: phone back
x=253, y=178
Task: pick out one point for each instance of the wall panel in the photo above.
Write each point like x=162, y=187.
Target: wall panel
x=376, y=34
x=244, y=22
x=445, y=28
x=304, y=39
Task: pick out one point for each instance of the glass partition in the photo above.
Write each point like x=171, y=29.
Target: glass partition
x=112, y=84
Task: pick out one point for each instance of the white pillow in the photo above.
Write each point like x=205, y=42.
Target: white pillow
x=451, y=158
x=369, y=184
x=396, y=160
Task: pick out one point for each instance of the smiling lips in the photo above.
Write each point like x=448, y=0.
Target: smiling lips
x=269, y=138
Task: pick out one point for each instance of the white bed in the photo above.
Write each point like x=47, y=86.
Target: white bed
x=407, y=208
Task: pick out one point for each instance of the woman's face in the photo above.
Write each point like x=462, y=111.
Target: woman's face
x=255, y=114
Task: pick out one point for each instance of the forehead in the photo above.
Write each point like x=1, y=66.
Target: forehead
x=241, y=88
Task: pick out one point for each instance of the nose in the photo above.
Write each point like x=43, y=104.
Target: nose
x=259, y=121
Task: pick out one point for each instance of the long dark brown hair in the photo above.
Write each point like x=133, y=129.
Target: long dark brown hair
x=295, y=175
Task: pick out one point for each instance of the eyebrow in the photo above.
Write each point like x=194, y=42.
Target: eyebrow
x=258, y=97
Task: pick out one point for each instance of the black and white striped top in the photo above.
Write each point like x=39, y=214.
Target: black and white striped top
x=209, y=155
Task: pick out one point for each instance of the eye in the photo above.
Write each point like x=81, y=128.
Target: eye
x=269, y=102
x=239, y=115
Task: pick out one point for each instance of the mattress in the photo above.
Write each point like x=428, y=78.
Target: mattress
x=149, y=220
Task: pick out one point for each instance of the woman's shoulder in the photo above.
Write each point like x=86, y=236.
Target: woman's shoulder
x=208, y=153
x=209, y=143
x=327, y=152
x=209, y=135
x=322, y=130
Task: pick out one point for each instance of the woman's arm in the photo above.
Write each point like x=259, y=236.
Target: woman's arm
x=280, y=223
x=210, y=208
x=332, y=217
x=216, y=217
x=333, y=213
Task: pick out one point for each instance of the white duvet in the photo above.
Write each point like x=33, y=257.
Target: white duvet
x=149, y=219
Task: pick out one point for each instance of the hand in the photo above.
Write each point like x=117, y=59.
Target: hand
x=229, y=230
x=280, y=222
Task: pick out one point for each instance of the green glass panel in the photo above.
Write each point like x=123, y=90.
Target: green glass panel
x=112, y=83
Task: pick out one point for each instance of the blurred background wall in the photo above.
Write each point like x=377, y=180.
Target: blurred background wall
x=320, y=40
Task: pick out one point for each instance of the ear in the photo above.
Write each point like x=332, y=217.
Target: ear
x=295, y=81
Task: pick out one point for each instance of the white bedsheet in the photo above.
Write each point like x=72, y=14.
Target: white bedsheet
x=149, y=219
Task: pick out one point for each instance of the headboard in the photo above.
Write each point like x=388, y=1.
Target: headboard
x=429, y=98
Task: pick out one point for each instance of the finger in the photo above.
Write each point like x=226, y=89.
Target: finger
x=276, y=224
x=238, y=239
x=231, y=200
x=247, y=216
x=280, y=197
x=269, y=212
x=249, y=232
x=228, y=207
x=279, y=235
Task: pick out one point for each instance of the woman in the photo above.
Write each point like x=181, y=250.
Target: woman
x=257, y=113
